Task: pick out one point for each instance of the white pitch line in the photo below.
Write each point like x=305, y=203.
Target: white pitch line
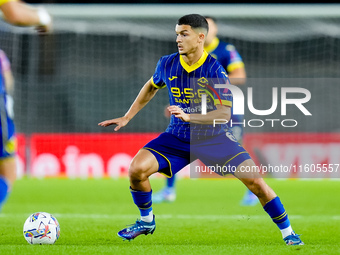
x=174, y=216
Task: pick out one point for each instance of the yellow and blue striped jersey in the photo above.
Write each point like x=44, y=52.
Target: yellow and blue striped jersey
x=230, y=59
x=7, y=147
x=186, y=84
x=226, y=54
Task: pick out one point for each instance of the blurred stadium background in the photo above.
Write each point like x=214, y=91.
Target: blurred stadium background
x=99, y=56
x=91, y=68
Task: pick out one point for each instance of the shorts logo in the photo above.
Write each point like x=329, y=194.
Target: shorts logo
x=231, y=137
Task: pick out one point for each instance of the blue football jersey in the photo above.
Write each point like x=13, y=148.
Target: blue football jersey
x=226, y=54
x=186, y=85
x=7, y=143
x=230, y=59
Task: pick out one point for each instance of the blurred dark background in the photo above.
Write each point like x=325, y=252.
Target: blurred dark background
x=93, y=65
x=90, y=70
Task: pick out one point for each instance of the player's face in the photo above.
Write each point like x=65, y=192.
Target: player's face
x=212, y=32
x=187, y=39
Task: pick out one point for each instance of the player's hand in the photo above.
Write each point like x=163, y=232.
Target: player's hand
x=41, y=30
x=167, y=114
x=120, y=122
x=45, y=21
x=178, y=112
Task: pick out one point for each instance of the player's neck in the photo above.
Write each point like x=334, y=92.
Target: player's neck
x=208, y=43
x=192, y=58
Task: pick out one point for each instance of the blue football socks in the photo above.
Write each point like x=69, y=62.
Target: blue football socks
x=144, y=203
x=277, y=212
x=3, y=190
x=279, y=216
x=170, y=182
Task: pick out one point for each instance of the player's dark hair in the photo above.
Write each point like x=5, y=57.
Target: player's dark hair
x=211, y=17
x=194, y=20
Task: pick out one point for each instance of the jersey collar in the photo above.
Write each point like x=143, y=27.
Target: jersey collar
x=212, y=46
x=194, y=66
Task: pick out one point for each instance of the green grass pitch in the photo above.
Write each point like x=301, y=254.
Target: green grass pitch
x=205, y=219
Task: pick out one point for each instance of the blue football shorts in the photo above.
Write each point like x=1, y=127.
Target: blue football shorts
x=237, y=127
x=221, y=152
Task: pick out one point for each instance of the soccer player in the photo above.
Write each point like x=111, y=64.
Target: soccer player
x=231, y=60
x=21, y=14
x=190, y=134
x=7, y=160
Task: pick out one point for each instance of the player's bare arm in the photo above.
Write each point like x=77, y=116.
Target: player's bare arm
x=145, y=95
x=20, y=14
x=222, y=112
x=238, y=76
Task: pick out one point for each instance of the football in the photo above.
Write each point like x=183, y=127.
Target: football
x=41, y=228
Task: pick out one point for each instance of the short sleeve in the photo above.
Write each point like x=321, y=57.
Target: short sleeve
x=234, y=59
x=222, y=95
x=157, y=78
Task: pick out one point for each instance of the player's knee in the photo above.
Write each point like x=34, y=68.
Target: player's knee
x=138, y=171
x=8, y=169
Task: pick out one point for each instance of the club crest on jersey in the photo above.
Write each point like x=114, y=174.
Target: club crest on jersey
x=202, y=82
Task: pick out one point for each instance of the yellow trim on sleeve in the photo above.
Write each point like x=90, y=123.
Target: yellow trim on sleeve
x=155, y=85
x=212, y=46
x=231, y=67
x=224, y=102
x=194, y=66
x=11, y=145
x=169, y=176
x=6, y=1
